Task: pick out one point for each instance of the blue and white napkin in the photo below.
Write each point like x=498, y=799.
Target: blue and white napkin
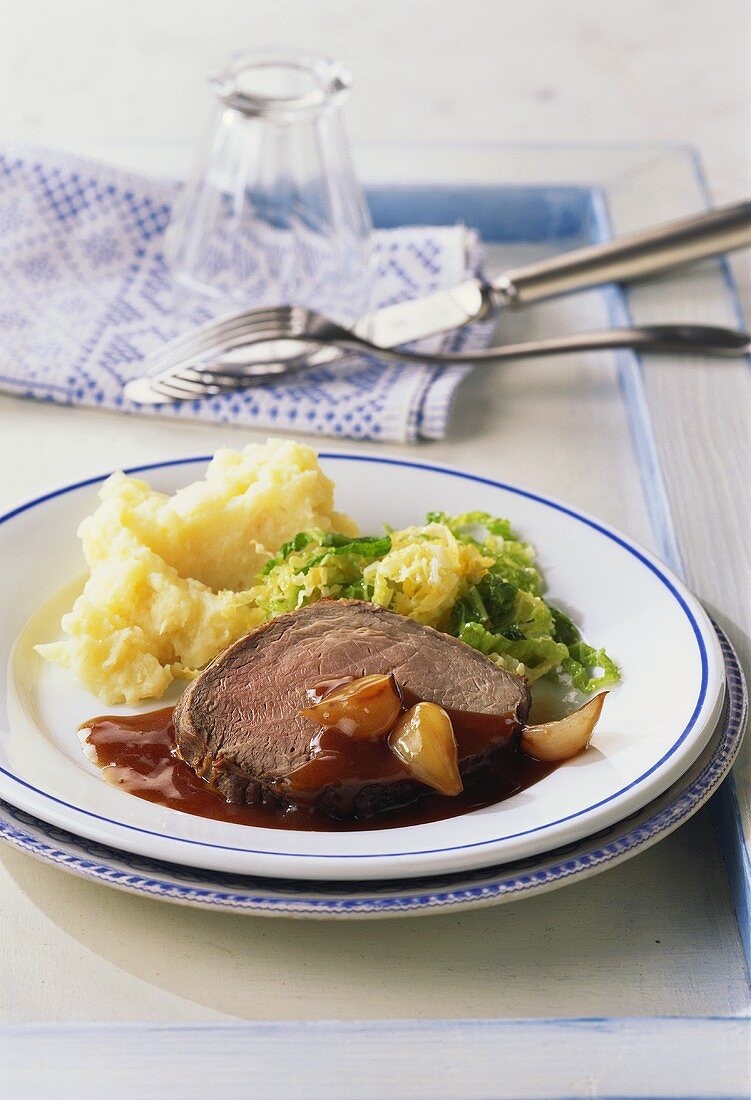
x=85, y=295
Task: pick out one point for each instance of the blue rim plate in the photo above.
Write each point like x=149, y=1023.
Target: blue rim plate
x=655, y=724
x=322, y=900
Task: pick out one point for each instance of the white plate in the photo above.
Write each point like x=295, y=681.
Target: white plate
x=411, y=897
x=654, y=725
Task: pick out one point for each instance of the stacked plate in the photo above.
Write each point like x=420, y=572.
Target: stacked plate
x=667, y=738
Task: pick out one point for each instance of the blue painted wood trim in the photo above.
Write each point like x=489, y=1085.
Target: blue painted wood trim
x=616, y=1059
x=508, y=214
x=631, y=379
x=737, y=859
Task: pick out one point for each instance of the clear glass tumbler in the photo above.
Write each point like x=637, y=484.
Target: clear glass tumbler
x=273, y=214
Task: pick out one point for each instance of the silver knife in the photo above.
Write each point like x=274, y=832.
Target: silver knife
x=625, y=258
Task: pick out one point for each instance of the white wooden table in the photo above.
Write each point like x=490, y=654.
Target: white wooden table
x=656, y=936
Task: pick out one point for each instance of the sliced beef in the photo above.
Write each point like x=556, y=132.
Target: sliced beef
x=238, y=723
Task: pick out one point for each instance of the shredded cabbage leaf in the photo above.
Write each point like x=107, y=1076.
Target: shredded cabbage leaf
x=467, y=575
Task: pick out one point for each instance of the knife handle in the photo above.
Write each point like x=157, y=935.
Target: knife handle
x=631, y=256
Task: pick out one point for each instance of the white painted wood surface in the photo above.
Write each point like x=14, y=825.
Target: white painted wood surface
x=474, y=1060
x=655, y=936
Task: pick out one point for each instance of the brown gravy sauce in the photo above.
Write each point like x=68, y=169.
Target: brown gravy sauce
x=138, y=754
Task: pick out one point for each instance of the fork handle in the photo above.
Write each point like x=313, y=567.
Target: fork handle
x=682, y=339
x=655, y=339
x=631, y=256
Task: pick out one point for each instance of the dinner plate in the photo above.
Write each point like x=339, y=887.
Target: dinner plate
x=655, y=724
x=412, y=897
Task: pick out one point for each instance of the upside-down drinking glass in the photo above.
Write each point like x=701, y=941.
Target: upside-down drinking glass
x=273, y=214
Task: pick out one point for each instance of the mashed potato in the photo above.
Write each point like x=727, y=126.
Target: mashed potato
x=168, y=581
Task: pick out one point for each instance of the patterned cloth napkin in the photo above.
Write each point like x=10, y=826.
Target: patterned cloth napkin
x=85, y=294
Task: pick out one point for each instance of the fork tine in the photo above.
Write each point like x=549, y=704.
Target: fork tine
x=194, y=391
x=211, y=335
x=213, y=332
x=231, y=379
x=212, y=346
x=215, y=367
x=216, y=352
x=218, y=324
x=178, y=390
x=193, y=384
x=195, y=380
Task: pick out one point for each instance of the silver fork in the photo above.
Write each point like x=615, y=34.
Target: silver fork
x=248, y=349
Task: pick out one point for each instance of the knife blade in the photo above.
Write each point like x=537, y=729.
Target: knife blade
x=631, y=256
x=416, y=318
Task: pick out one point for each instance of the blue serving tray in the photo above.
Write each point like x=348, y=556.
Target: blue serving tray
x=506, y=193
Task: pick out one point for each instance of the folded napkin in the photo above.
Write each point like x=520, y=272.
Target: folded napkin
x=85, y=295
